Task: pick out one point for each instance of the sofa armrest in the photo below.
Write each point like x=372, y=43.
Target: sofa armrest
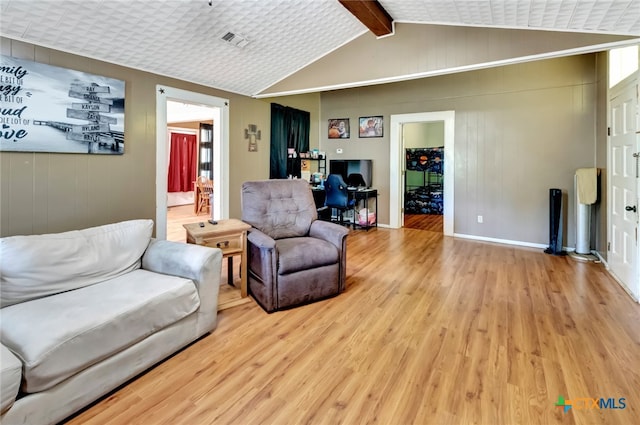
x=199, y=263
x=329, y=232
x=10, y=378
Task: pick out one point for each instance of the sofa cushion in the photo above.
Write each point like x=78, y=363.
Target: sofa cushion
x=10, y=377
x=60, y=335
x=295, y=254
x=39, y=265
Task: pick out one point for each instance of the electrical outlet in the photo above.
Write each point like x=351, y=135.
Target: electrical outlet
x=479, y=219
x=339, y=150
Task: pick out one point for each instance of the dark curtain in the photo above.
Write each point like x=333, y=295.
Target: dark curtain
x=182, y=162
x=289, y=130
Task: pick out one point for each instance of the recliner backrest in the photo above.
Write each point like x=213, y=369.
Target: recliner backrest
x=279, y=208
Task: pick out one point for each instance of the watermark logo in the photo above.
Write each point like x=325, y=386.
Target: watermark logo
x=588, y=403
x=562, y=403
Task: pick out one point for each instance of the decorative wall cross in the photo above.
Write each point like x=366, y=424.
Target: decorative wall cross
x=253, y=134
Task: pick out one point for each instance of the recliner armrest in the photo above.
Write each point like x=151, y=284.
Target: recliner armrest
x=330, y=232
x=260, y=239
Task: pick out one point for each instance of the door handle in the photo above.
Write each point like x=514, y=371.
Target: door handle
x=630, y=208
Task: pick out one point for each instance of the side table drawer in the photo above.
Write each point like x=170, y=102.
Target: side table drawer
x=228, y=243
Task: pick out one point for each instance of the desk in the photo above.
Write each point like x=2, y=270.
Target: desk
x=364, y=195
x=231, y=237
x=358, y=195
x=319, y=196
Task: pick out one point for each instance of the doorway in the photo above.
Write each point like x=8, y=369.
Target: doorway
x=423, y=175
x=398, y=161
x=220, y=109
x=196, y=123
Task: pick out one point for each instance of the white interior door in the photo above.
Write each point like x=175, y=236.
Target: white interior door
x=623, y=186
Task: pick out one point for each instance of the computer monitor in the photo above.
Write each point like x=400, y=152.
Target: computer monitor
x=345, y=167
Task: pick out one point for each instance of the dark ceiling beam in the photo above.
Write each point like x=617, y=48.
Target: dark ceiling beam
x=371, y=14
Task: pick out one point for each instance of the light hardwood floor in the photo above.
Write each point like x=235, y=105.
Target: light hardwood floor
x=430, y=330
x=179, y=215
x=430, y=222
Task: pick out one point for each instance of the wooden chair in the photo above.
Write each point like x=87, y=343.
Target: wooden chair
x=205, y=189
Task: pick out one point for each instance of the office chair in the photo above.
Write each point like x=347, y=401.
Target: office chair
x=337, y=195
x=356, y=180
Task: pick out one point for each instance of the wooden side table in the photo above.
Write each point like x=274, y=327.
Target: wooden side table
x=230, y=236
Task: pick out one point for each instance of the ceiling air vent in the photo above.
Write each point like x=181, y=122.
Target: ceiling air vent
x=235, y=39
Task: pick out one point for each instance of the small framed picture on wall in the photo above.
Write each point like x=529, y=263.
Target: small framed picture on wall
x=339, y=128
x=371, y=126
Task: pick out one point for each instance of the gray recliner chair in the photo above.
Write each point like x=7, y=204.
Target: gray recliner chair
x=293, y=258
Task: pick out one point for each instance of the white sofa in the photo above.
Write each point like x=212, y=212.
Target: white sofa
x=82, y=312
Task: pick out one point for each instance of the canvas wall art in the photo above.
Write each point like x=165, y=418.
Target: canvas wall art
x=46, y=108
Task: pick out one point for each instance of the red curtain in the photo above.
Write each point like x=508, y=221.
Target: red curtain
x=182, y=162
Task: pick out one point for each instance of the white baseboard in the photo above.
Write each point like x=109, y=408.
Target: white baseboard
x=506, y=241
x=602, y=260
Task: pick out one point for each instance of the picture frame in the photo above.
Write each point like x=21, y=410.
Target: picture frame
x=372, y=126
x=338, y=128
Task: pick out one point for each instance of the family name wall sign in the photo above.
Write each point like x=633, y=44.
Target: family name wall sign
x=46, y=108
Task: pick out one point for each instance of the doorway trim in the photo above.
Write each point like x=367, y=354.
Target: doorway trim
x=220, y=151
x=396, y=216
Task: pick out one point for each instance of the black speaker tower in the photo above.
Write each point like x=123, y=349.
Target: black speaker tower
x=555, y=223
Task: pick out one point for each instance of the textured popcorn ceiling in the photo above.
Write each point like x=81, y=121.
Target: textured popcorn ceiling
x=182, y=38
x=605, y=16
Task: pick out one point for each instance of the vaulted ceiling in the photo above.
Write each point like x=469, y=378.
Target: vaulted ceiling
x=262, y=47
